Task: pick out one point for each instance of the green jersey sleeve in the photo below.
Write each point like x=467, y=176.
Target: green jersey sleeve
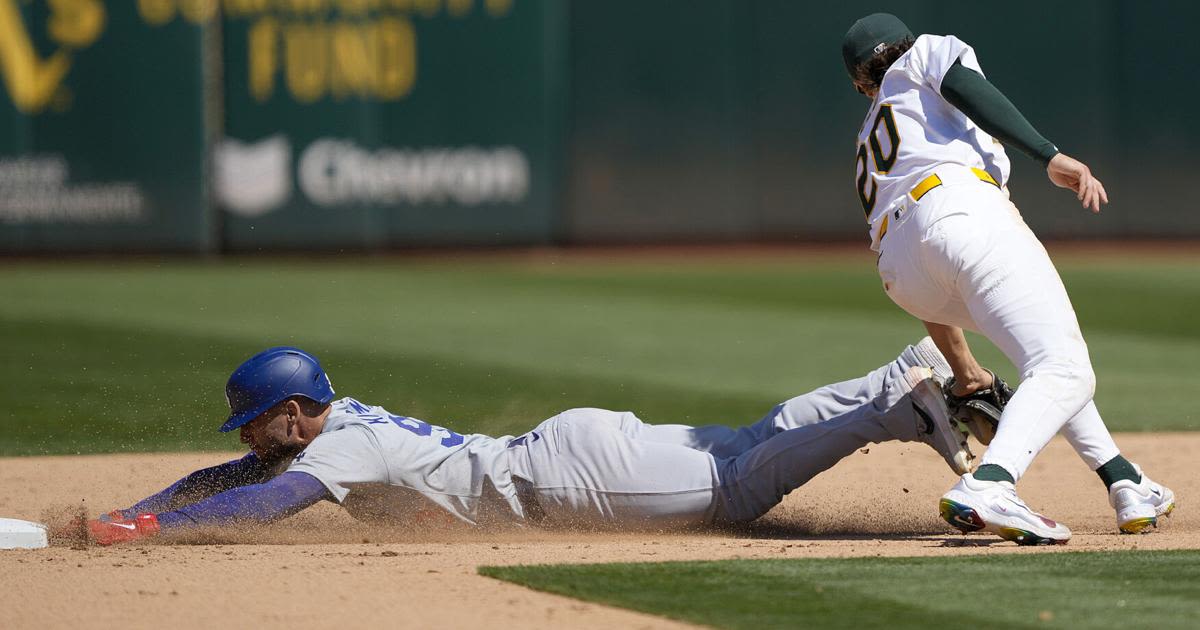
x=984, y=104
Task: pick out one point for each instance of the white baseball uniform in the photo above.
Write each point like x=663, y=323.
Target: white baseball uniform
x=599, y=468
x=954, y=250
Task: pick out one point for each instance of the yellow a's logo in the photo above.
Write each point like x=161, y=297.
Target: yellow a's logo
x=31, y=80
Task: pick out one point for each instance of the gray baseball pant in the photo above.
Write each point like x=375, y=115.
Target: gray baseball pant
x=600, y=468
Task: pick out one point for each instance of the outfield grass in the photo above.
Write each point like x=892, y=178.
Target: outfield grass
x=1118, y=590
x=132, y=356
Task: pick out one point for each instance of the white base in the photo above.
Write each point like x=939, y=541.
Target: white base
x=18, y=534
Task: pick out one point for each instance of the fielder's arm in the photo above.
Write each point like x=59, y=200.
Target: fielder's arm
x=989, y=108
x=969, y=376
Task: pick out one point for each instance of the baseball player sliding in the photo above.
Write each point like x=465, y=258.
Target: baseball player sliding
x=954, y=252
x=583, y=467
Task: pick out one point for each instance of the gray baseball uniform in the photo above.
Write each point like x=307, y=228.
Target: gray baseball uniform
x=599, y=468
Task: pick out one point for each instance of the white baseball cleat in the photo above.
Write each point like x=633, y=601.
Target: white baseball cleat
x=935, y=427
x=1139, y=505
x=993, y=506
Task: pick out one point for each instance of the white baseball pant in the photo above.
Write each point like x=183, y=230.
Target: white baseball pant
x=963, y=256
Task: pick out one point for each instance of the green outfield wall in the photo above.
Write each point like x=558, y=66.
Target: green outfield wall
x=102, y=147
x=378, y=124
x=247, y=125
x=728, y=119
x=242, y=125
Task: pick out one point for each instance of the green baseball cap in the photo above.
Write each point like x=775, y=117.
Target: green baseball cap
x=868, y=34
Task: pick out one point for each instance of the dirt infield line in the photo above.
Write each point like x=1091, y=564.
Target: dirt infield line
x=321, y=569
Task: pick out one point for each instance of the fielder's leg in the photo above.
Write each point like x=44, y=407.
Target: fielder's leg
x=1090, y=438
x=966, y=258
x=1016, y=298
x=1137, y=500
x=1026, y=312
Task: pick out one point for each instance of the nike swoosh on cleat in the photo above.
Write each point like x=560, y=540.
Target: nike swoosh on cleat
x=964, y=521
x=130, y=527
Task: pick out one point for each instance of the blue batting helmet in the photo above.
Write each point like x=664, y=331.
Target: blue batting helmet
x=269, y=377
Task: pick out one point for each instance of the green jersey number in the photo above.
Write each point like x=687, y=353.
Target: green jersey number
x=883, y=163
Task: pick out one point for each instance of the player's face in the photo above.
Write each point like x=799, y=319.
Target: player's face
x=271, y=436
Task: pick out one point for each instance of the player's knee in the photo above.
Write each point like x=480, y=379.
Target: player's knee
x=1075, y=380
x=1082, y=379
x=1086, y=377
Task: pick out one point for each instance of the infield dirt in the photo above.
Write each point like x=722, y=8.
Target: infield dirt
x=322, y=569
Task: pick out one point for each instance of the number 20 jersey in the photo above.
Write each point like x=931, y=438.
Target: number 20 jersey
x=910, y=129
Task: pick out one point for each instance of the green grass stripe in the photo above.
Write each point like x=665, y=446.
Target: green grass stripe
x=133, y=355
x=500, y=315
x=84, y=389
x=1118, y=590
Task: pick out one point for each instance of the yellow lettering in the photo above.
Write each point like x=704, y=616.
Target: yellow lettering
x=264, y=58
x=342, y=59
x=198, y=11
x=76, y=23
x=397, y=58
x=353, y=67
x=306, y=54
x=499, y=8
x=156, y=12
x=31, y=81
x=458, y=8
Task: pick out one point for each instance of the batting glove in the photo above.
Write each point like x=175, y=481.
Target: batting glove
x=120, y=530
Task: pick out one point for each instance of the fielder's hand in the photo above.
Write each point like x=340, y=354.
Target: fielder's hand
x=1067, y=172
x=980, y=410
x=119, y=530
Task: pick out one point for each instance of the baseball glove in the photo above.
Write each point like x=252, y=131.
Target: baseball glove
x=980, y=411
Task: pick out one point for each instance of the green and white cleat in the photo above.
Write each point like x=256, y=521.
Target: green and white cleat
x=1139, y=505
x=993, y=506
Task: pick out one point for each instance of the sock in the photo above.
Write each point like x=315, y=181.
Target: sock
x=1116, y=469
x=992, y=472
